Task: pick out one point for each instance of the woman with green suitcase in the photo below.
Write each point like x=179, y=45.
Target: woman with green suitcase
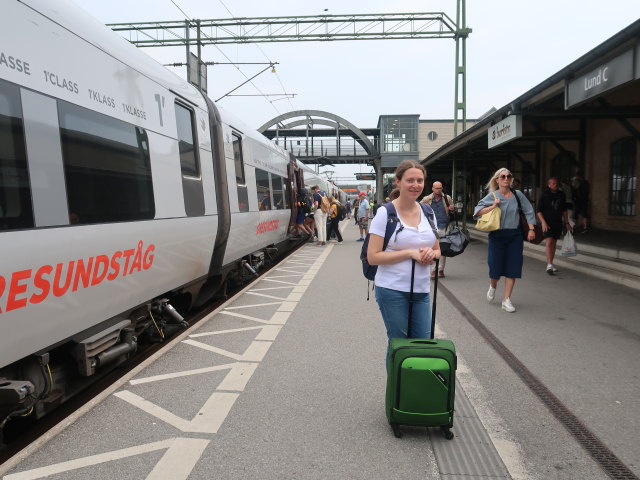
x=413, y=239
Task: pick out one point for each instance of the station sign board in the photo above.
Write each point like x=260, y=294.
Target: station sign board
x=617, y=71
x=365, y=176
x=504, y=131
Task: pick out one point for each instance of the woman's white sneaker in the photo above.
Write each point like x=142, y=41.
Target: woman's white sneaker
x=491, y=294
x=507, y=306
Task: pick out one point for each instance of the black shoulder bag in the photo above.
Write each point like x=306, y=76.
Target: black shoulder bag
x=455, y=240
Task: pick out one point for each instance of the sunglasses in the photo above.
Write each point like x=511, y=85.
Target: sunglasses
x=503, y=176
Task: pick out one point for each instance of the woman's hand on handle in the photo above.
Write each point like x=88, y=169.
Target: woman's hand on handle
x=427, y=255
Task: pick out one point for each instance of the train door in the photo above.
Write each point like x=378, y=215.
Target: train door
x=189, y=162
x=296, y=185
x=241, y=180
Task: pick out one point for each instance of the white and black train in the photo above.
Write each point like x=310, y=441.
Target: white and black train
x=125, y=195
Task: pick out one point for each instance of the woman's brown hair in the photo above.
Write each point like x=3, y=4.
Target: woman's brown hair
x=406, y=165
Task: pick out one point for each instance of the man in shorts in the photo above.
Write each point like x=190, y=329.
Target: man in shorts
x=363, y=216
x=552, y=213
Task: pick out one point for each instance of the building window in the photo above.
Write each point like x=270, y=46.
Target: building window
x=432, y=135
x=241, y=183
x=622, y=183
x=263, y=189
x=186, y=142
x=106, y=167
x=399, y=133
x=16, y=210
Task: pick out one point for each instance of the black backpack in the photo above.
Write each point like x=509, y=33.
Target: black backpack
x=369, y=271
x=342, y=212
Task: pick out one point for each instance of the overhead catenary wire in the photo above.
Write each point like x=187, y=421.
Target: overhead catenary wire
x=187, y=17
x=266, y=56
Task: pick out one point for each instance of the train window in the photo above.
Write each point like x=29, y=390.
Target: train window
x=16, y=210
x=279, y=185
x=186, y=142
x=263, y=189
x=106, y=167
x=243, y=196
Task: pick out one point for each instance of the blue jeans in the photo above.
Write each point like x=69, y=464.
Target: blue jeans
x=394, y=307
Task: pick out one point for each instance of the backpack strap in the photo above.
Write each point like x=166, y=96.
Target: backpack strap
x=392, y=219
x=429, y=213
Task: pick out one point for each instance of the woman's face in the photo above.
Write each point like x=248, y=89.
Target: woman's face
x=411, y=183
x=504, y=178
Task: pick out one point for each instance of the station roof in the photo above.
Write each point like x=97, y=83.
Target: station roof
x=545, y=100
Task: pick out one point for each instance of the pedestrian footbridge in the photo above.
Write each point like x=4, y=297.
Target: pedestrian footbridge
x=319, y=137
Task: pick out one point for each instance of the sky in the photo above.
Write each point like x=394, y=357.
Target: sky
x=514, y=46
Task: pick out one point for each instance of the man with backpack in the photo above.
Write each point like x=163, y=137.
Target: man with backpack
x=321, y=210
x=337, y=213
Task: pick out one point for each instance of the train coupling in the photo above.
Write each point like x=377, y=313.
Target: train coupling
x=14, y=392
x=164, y=308
x=247, y=266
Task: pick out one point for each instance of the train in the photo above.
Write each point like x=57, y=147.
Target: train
x=127, y=198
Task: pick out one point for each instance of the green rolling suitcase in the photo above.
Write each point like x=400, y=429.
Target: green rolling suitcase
x=421, y=379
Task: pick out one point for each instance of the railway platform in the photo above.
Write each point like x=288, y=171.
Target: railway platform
x=286, y=381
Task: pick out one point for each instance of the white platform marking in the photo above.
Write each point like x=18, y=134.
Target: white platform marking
x=287, y=306
x=279, y=281
x=267, y=288
x=179, y=460
x=254, y=353
x=268, y=333
x=207, y=420
x=238, y=376
x=253, y=305
x=257, y=294
x=293, y=297
x=246, y=317
x=280, y=318
x=174, y=446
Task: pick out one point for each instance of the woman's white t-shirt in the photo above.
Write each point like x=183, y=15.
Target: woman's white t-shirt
x=398, y=275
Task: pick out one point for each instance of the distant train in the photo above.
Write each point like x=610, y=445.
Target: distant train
x=126, y=197
x=311, y=178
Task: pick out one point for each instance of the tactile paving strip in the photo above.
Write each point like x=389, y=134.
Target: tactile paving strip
x=471, y=454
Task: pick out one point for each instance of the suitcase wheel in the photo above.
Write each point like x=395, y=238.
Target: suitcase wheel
x=396, y=430
x=448, y=434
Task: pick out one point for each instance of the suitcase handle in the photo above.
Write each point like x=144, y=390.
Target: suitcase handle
x=425, y=342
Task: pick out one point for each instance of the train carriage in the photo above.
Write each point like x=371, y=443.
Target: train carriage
x=123, y=192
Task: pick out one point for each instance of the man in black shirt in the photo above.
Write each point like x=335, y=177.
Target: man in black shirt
x=552, y=212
